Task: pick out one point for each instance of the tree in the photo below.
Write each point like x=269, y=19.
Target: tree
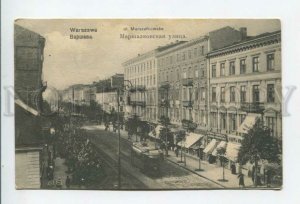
x=165, y=134
x=258, y=144
x=221, y=154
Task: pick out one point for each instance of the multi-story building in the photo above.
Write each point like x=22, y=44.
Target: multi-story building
x=245, y=85
x=109, y=101
x=142, y=72
x=29, y=87
x=79, y=94
x=182, y=77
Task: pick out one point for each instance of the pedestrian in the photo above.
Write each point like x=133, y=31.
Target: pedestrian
x=241, y=180
x=233, y=168
x=176, y=151
x=268, y=178
x=68, y=182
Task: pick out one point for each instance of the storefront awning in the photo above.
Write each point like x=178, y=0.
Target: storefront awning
x=26, y=107
x=232, y=151
x=222, y=144
x=248, y=123
x=190, y=139
x=155, y=132
x=210, y=147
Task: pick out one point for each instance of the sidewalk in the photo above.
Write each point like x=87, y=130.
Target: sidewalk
x=211, y=172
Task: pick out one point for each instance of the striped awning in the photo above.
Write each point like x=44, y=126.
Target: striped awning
x=26, y=107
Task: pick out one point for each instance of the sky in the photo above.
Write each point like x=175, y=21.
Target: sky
x=69, y=61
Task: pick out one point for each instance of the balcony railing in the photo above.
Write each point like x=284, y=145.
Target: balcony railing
x=188, y=124
x=164, y=85
x=138, y=103
x=187, y=82
x=164, y=103
x=255, y=107
x=140, y=88
x=187, y=104
x=141, y=103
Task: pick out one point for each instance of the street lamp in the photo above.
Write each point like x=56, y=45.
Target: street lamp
x=199, y=152
x=119, y=89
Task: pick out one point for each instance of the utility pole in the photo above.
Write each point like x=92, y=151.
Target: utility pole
x=119, y=140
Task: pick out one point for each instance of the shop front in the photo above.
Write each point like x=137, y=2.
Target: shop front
x=231, y=154
x=191, y=143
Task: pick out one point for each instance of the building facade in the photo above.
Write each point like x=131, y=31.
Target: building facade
x=79, y=94
x=182, y=78
x=29, y=87
x=245, y=85
x=109, y=101
x=141, y=71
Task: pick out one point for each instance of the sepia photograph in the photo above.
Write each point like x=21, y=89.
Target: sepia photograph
x=148, y=104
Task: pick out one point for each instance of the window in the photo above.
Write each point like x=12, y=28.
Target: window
x=243, y=66
x=213, y=94
x=202, y=50
x=271, y=124
x=184, y=75
x=223, y=121
x=223, y=94
x=270, y=62
x=214, y=121
x=196, y=94
x=255, y=93
x=202, y=94
x=232, y=94
x=178, y=57
x=178, y=76
x=255, y=64
x=232, y=123
x=213, y=71
x=195, y=52
x=183, y=56
x=222, y=69
x=190, y=54
x=242, y=118
x=232, y=68
x=243, y=94
x=196, y=73
x=270, y=93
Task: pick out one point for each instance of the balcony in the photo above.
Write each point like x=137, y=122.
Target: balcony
x=164, y=103
x=141, y=103
x=187, y=82
x=140, y=88
x=254, y=107
x=138, y=103
x=164, y=85
x=187, y=104
x=188, y=124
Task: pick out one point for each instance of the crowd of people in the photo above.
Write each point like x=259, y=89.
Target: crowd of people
x=80, y=155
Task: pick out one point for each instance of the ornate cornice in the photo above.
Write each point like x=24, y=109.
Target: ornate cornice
x=258, y=41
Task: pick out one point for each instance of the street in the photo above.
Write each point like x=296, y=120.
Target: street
x=171, y=177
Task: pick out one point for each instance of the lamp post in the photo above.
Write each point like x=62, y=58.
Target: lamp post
x=199, y=152
x=119, y=89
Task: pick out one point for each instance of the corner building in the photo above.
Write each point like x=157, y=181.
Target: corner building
x=245, y=85
x=182, y=77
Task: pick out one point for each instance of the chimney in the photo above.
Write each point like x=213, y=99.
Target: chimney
x=243, y=31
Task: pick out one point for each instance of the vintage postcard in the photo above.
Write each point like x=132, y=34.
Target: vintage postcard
x=148, y=104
